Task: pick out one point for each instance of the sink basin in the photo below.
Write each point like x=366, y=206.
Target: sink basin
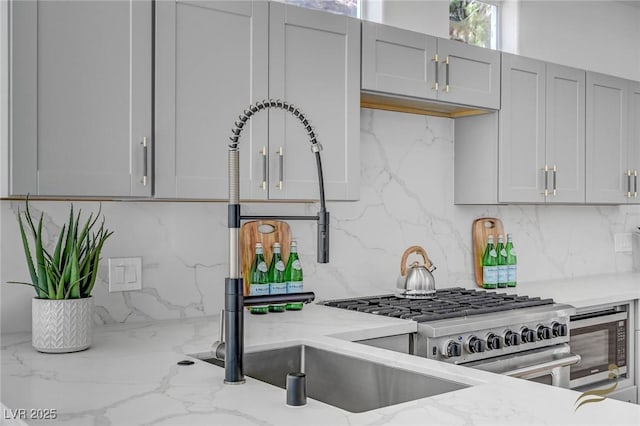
x=346, y=382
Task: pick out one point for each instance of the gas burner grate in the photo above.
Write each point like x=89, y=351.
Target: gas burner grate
x=447, y=303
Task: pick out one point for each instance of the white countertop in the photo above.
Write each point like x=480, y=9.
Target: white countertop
x=583, y=292
x=129, y=377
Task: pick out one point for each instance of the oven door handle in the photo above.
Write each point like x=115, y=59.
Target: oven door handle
x=536, y=370
x=601, y=319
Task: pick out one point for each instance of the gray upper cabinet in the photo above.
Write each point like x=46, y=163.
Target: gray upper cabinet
x=565, y=134
x=211, y=64
x=402, y=62
x=522, y=130
x=634, y=142
x=214, y=59
x=607, y=139
x=314, y=63
x=542, y=136
x=80, y=102
x=398, y=61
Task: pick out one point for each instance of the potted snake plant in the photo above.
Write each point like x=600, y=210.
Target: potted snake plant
x=62, y=310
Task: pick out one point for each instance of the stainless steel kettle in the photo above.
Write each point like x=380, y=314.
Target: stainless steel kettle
x=416, y=281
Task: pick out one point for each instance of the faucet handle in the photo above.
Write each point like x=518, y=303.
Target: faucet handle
x=218, y=347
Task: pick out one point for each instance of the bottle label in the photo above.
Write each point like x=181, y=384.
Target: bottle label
x=262, y=267
x=294, y=286
x=502, y=274
x=297, y=265
x=493, y=253
x=503, y=253
x=258, y=289
x=513, y=252
x=280, y=265
x=278, y=288
x=490, y=274
x=511, y=273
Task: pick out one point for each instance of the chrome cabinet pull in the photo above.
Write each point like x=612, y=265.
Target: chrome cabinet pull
x=446, y=75
x=545, y=169
x=280, y=168
x=263, y=152
x=635, y=184
x=555, y=186
x=628, y=183
x=435, y=59
x=145, y=161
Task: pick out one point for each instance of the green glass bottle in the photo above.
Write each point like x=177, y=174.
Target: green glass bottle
x=490, y=265
x=259, y=280
x=512, y=262
x=277, y=284
x=502, y=262
x=293, y=276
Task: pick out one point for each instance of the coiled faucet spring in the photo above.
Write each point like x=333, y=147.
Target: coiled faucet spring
x=272, y=103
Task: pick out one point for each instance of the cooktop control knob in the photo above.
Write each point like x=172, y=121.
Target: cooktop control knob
x=511, y=338
x=493, y=342
x=528, y=335
x=451, y=349
x=543, y=332
x=475, y=345
x=558, y=330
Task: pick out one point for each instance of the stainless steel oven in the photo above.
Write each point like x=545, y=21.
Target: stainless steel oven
x=601, y=339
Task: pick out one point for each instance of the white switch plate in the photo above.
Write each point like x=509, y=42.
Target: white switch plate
x=125, y=274
x=622, y=242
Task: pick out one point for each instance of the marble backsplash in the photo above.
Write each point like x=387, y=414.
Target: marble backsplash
x=406, y=199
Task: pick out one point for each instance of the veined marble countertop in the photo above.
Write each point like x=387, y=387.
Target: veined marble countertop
x=130, y=377
x=583, y=292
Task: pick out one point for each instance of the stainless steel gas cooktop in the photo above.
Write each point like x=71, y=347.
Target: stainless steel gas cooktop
x=447, y=303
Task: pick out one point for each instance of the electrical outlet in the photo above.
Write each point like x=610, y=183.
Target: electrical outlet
x=622, y=242
x=125, y=274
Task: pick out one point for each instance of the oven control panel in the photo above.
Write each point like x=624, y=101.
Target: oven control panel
x=497, y=341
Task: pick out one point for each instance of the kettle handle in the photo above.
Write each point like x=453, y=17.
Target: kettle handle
x=414, y=249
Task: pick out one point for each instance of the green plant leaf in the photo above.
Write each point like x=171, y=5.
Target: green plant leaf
x=27, y=252
x=74, y=280
x=50, y=283
x=56, y=253
x=94, y=269
x=42, y=275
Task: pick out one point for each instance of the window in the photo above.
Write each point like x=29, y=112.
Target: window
x=474, y=22
x=342, y=7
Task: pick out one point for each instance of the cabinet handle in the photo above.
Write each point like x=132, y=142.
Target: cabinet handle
x=545, y=169
x=263, y=152
x=280, y=168
x=435, y=59
x=145, y=161
x=555, y=186
x=635, y=184
x=446, y=75
x=628, y=183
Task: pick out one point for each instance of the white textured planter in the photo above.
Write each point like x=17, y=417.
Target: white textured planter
x=61, y=325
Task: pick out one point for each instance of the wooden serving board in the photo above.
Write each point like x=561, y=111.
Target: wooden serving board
x=482, y=228
x=266, y=232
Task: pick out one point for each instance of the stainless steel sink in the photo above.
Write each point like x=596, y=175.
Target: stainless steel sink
x=347, y=382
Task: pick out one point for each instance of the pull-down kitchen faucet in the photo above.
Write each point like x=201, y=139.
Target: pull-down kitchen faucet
x=235, y=301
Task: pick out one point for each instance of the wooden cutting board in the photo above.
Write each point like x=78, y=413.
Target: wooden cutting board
x=481, y=229
x=266, y=232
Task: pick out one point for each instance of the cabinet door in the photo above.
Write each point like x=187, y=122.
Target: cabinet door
x=634, y=140
x=398, y=61
x=607, y=139
x=565, y=141
x=521, y=144
x=80, y=98
x=314, y=63
x=468, y=75
x=211, y=64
